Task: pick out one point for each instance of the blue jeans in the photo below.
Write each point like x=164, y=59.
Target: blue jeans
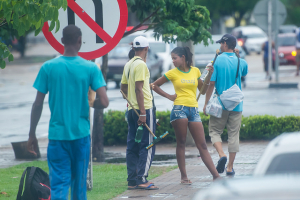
x=68, y=163
x=138, y=158
x=183, y=112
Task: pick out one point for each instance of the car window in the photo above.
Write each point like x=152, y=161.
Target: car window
x=119, y=52
x=256, y=35
x=210, y=49
x=285, y=163
x=128, y=39
x=286, y=41
x=157, y=47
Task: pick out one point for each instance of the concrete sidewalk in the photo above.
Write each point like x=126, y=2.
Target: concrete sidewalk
x=169, y=183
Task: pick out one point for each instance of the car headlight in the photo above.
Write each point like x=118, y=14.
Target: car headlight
x=294, y=53
x=240, y=43
x=281, y=55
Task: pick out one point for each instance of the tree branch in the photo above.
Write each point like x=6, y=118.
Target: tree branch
x=141, y=24
x=11, y=20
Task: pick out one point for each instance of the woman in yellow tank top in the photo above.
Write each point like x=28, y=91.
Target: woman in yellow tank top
x=186, y=80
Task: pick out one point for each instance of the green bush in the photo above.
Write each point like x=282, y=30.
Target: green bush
x=256, y=127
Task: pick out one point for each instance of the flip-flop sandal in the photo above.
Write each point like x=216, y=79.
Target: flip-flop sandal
x=230, y=173
x=185, y=182
x=221, y=164
x=132, y=188
x=148, y=187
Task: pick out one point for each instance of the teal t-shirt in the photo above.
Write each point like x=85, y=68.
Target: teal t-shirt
x=224, y=74
x=67, y=79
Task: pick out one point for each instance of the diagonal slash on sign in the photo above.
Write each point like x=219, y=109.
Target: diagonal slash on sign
x=89, y=21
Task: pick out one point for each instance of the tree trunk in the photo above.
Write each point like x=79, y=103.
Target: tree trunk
x=189, y=138
x=238, y=21
x=98, y=129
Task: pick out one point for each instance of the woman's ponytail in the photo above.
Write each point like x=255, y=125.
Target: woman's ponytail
x=131, y=53
x=189, y=57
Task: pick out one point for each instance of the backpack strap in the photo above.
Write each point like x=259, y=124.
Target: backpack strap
x=130, y=67
x=237, y=72
x=29, y=180
x=21, y=184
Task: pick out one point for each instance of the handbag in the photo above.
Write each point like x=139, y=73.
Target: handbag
x=233, y=96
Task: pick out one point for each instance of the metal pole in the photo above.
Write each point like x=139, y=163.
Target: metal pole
x=270, y=37
x=276, y=40
x=89, y=181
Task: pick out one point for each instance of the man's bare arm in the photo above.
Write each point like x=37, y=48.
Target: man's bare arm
x=101, y=100
x=36, y=113
x=124, y=88
x=140, y=100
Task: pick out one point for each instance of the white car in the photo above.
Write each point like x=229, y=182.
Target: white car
x=279, y=187
x=250, y=38
x=282, y=155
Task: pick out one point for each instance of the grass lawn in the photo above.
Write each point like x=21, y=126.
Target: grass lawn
x=109, y=179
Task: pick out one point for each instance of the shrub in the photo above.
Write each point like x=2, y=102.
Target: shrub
x=258, y=127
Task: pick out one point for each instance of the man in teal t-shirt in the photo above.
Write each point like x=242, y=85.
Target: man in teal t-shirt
x=67, y=79
x=223, y=77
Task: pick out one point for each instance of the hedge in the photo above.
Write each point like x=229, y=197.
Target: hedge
x=258, y=127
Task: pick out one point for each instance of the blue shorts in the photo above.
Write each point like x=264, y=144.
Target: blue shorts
x=183, y=112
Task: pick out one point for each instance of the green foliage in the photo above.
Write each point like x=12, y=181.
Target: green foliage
x=234, y=8
x=258, y=127
x=174, y=20
x=293, y=11
x=17, y=17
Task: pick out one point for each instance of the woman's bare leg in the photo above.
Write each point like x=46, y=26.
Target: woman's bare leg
x=180, y=127
x=197, y=131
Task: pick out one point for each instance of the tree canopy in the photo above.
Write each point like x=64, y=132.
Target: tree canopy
x=234, y=8
x=17, y=17
x=174, y=20
x=293, y=11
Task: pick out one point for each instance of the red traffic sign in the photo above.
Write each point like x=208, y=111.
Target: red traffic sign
x=100, y=34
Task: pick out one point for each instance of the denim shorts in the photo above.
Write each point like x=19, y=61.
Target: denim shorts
x=183, y=112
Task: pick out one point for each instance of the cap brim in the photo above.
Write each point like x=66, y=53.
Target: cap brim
x=219, y=41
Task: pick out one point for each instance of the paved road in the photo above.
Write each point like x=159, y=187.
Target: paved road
x=17, y=96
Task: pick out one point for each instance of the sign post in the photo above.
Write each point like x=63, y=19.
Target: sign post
x=269, y=15
x=270, y=59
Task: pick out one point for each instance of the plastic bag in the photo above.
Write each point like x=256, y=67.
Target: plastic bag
x=214, y=107
x=232, y=97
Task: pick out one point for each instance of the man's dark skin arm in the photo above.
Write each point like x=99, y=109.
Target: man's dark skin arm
x=140, y=100
x=102, y=100
x=36, y=111
x=124, y=88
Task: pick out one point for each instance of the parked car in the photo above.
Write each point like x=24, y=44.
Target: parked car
x=163, y=50
x=250, y=38
x=118, y=57
x=280, y=187
x=286, y=49
x=281, y=156
x=287, y=29
x=205, y=54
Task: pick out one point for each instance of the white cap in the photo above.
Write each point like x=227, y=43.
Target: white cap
x=140, y=41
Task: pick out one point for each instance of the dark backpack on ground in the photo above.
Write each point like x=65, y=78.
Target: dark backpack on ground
x=34, y=185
